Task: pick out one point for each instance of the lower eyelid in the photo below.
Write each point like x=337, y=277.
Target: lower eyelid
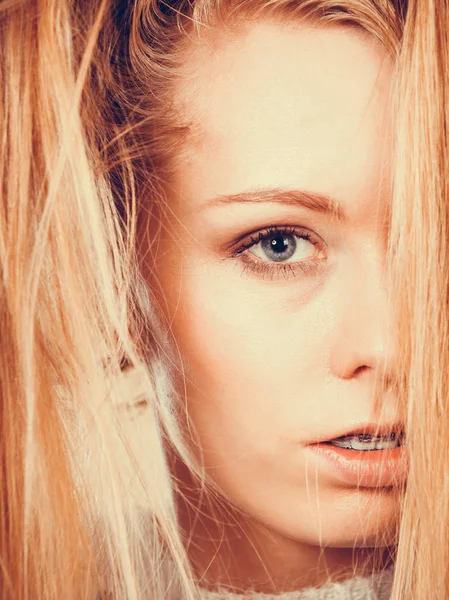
x=272, y=270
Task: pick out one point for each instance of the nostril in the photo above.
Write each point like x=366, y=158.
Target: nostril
x=361, y=369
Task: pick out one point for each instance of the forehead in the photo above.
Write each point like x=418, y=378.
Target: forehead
x=286, y=106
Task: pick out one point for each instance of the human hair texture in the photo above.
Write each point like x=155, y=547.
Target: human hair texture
x=89, y=138
x=68, y=306
x=419, y=261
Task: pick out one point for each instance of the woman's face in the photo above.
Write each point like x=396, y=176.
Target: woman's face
x=272, y=269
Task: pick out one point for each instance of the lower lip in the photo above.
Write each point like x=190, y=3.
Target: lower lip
x=371, y=469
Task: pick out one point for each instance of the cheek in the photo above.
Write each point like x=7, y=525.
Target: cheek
x=255, y=366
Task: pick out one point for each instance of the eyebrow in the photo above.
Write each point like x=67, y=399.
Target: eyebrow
x=309, y=200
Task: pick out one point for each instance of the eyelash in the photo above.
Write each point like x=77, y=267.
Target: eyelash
x=271, y=270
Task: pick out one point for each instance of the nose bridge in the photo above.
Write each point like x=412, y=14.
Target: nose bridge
x=364, y=336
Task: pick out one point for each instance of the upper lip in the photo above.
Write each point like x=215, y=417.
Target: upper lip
x=374, y=429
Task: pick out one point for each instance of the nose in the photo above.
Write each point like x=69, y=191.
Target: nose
x=364, y=341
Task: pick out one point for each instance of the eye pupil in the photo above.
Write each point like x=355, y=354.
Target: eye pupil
x=279, y=244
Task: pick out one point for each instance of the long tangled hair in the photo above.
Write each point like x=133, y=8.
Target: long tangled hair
x=89, y=137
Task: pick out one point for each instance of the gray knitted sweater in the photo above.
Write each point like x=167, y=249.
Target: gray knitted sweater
x=376, y=587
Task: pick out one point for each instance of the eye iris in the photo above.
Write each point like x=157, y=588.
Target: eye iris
x=279, y=247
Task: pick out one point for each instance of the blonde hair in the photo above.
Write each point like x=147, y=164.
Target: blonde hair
x=89, y=136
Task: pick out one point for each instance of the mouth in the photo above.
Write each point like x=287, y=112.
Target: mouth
x=368, y=457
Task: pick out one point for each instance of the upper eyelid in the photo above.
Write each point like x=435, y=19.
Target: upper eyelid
x=240, y=246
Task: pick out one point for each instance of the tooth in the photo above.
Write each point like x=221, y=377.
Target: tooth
x=367, y=442
x=358, y=445
x=386, y=445
x=342, y=444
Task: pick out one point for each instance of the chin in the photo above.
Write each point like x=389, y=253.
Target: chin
x=344, y=518
x=358, y=518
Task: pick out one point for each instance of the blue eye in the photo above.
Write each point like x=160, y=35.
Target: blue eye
x=279, y=246
x=284, y=252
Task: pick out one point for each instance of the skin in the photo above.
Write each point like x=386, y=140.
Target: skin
x=277, y=357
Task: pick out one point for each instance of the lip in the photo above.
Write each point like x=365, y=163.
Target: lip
x=369, y=469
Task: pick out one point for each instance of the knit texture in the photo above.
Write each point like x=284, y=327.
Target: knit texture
x=376, y=587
